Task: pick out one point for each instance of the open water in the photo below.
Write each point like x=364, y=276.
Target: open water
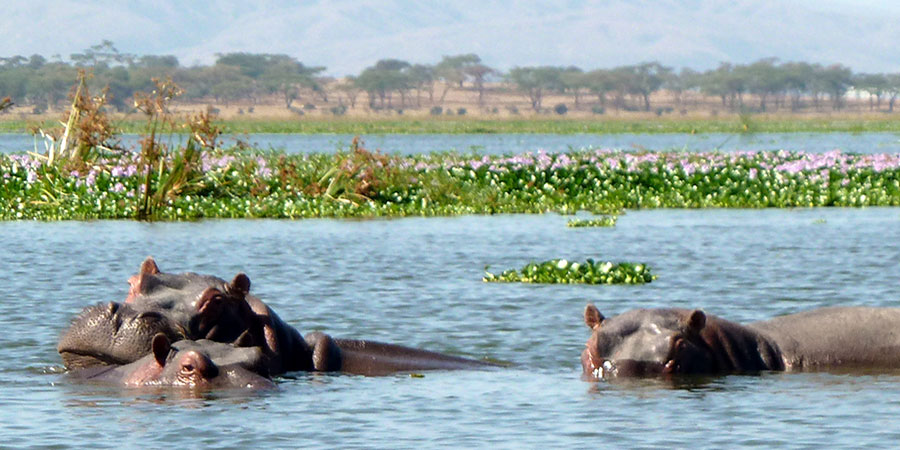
x=518, y=143
x=418, y=282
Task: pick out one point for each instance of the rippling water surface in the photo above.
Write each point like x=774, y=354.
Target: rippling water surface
x=517, y=143
x=418, y=282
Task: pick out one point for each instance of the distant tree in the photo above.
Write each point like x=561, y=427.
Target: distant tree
x=50, y=84
x=876, y=85
x=765, y=80
x=14, y=83
x=286, y=76
x=534, y=82
x=727, y=82
x=679, y=85
x=797, y=77
x=599, y=82
x=645, y=79
x=103, y=54
x=225, y=83
x=478, y=73
x=575, y=82
x=382, y=79
x=350, y=89
x=892, y=90
x=452, y=71
x=157, y=61
x=250, y=64
x=35, y=62
x=836, y=80
x=421, y=77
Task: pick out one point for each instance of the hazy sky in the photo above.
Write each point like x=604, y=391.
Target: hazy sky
x=349, y=35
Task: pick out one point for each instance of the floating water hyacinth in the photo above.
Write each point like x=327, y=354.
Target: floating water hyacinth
x=605, y=221
x=563, y=271
x=253, y=184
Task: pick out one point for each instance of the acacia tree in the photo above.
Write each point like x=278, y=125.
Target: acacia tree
x=645, y=79
x=876, y=85
x=478, y=73
x=574, y=81
x=797, y=78
x=452, y=71
x=837, y=80
x=421, y=77
x=287, y=76
x=534, y=82
x=764, y=80
x=600, y=83
x=892, y=90
x=380, y=80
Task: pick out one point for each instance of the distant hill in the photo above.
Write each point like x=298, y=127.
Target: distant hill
x=348, y=35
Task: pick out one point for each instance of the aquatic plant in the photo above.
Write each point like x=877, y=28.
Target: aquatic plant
x=85, y=129
x=239, y=182
x=605, y=221
x=563, y=271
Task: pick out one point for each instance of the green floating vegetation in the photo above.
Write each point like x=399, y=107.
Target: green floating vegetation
x=247, y=183
x=454, y=125
x=561, y=271
x=605, y=221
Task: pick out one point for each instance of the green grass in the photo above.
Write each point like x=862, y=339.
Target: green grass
x=598, y=125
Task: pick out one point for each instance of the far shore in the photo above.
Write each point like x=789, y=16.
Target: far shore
x=475, y=124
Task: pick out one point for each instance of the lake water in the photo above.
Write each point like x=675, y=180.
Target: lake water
x=518, y=143
x=418, y=282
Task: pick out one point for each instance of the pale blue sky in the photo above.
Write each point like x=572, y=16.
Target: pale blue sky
x=348, y=35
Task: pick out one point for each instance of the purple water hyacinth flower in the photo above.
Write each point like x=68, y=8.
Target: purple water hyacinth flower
x=263, y=172
x=118, y=187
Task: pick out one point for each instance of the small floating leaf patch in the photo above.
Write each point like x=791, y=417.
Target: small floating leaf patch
x=563, y=271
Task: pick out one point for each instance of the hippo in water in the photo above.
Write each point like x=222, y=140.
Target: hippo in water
x=200, y=364
x=664, y=341
x=194, y=306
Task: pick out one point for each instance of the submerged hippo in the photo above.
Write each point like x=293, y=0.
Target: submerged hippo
x=200, y=364
x=652, y=342
x=194, y=306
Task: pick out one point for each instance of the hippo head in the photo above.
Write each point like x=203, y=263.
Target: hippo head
x=204, y=306
x=112, y=334
x=179, y=306
x=645, y=342
x=199, y=364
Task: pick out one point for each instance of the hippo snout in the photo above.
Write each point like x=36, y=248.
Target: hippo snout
x=607, y=368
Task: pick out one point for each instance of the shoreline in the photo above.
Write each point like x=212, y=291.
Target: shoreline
x=416, y=125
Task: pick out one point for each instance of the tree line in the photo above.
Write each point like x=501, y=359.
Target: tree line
x=765, y=85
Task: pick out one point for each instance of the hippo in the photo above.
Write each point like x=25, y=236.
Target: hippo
x=202, y=364
x=668, y=341
x=194, y=306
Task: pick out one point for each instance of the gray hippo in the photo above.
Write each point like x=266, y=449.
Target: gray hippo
x=194, y=306
x=200, y=364
x=653, y=342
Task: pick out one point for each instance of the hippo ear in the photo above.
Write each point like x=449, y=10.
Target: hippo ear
x=696, y=321
x=592, y=316
x=240, y=285
x=161, y=348
x=149, y=266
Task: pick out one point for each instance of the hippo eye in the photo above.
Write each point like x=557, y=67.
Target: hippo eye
x=187, y=368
